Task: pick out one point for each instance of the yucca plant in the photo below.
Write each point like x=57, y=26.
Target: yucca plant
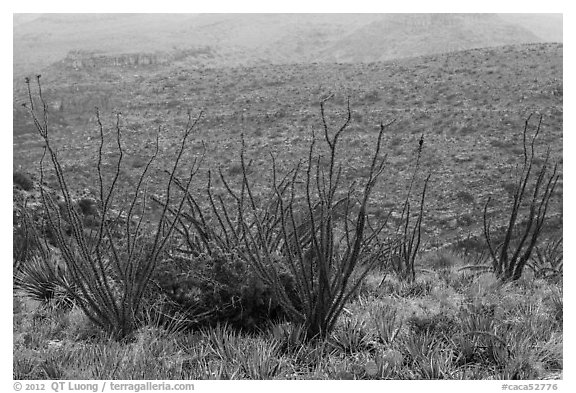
x=42, y=278
x=110, y=267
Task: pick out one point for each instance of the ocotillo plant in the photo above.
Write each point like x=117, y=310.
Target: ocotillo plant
x=403, y=257
x=310, y=226
x=111, y=266
x=510, y=257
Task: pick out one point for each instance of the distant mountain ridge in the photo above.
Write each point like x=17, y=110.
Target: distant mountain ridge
x=233, y=39
x=410, y=35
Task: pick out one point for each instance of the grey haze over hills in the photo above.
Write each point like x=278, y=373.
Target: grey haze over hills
x=251, y=39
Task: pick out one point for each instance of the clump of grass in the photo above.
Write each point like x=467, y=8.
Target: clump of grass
x=461, y=281
x=548, y=261
x=436, y=324
x=557, y=303
x=416, y=289
x=427, y=357
x=351, y=337
x=443, y=260
x=388, y=322
x=290, y=337
x=260, y=360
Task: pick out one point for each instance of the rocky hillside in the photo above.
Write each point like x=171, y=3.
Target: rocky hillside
x=470, y=106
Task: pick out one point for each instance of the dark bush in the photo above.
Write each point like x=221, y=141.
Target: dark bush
x=23, y=181
x=87, y=207
x=465, y=196
x=208, y=290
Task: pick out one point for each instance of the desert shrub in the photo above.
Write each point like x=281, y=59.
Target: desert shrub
x=372, y=96
x=235, y=170
x=139, y=162
x=408, y=231
x=358, y=118
x=87, y=206
x=309, y=225
x=442, y=261
x=395, y=141
x=219, y=288
x=465, y=196
x=465, y=220
x=109, y=268
x=509, y=257
x=501, y=143
x=23, y=181
x=509, y=188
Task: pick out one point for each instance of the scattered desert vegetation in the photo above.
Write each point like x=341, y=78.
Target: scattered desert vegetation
x=248, y=245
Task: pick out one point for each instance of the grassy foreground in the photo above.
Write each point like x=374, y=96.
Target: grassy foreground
x=449, y=324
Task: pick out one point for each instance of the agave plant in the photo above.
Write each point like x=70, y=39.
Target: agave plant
x=41, y=278
x=548, y=261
